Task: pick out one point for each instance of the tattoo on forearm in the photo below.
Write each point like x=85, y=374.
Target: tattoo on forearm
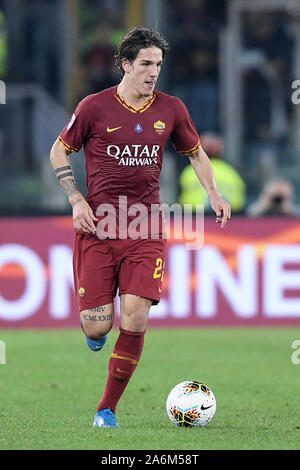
x=63, y=168
x=63, y=172
x=87, y=316
x=64, y=175
x=69, y=187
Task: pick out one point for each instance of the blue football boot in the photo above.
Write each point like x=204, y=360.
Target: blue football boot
x=105, y=419
x=96, y=345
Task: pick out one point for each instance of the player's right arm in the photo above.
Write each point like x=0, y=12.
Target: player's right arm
x=83, y=216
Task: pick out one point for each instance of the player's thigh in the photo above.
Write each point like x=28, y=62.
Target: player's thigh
x=134, y=312
x=97, y=321
x=142, y=270
x=140, y=281
x=95, y=276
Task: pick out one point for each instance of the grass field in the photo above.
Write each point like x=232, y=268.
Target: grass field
x=51, y=384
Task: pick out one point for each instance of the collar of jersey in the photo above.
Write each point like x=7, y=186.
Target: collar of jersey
x=141, y=109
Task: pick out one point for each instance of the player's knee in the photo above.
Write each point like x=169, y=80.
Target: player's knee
x=135, y=321
x=96, y=326
x=96, y=332
x=134, y=312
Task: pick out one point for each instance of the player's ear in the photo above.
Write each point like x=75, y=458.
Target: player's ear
x=126, y=65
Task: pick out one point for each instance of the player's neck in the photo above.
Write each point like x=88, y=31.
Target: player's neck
x=131, y=96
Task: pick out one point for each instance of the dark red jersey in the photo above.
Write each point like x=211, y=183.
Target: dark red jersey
x=124, y=145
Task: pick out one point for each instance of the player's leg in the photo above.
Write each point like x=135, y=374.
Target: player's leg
x=125, y=356
x=95, y=286
x=96, y=322
x=140, y=282
x=134, y=312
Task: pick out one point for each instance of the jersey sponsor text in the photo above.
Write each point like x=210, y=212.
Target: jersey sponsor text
x=135, y=154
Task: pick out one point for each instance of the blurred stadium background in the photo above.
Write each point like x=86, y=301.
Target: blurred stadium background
x=233, y=63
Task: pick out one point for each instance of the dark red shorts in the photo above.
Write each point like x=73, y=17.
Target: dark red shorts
x=103, y=266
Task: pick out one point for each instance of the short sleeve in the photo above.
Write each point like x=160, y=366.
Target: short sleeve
x=184, y=136
x=77, y=130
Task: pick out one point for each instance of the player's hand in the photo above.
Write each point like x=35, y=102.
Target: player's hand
x=83, y=217
x=221, y=207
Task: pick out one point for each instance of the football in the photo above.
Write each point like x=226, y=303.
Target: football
x=191, y=403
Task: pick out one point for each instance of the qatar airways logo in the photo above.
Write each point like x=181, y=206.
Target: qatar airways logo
x=134, y=155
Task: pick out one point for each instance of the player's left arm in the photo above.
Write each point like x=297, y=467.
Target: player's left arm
x=205, y=174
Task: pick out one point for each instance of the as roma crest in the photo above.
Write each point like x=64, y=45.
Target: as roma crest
x=160, y=127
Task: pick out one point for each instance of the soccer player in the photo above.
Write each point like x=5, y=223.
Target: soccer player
x=124, y=130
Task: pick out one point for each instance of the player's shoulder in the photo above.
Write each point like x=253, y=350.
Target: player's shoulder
x=165, y=98
x=96, y=99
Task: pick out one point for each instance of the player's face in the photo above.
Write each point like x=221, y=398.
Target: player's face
x=144, y=71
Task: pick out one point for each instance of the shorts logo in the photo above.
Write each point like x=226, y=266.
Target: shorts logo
x=160, y=127
x=138, y=128
x=81, y=291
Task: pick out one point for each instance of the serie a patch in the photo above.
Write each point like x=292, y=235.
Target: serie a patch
x=138, y=128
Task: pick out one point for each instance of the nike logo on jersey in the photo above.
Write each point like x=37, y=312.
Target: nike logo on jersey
x=113, y=129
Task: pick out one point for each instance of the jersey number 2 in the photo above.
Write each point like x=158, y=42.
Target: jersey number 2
x=159, y=270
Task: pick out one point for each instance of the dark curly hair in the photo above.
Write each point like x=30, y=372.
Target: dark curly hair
x=139, y=38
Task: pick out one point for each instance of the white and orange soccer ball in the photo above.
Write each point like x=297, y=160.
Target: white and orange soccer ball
x=191, y=403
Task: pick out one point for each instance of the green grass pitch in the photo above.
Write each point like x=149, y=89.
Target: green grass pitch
x=51, y=384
